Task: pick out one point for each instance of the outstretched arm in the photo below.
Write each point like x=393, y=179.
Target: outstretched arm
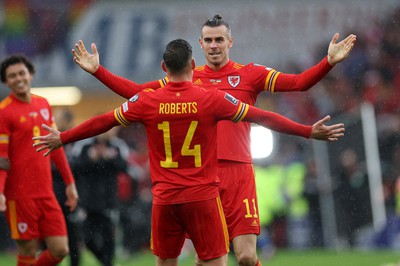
x=337, y=52
x=92, y=127
x=282, y=124
x=90, y=62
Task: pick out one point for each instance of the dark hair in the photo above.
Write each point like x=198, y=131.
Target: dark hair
x=177, y=55
x=12, y=60
x=217, y=21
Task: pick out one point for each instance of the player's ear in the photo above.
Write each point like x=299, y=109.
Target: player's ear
x=201, y=42
x=230, y=42
x=163, y=66
x=193, y=63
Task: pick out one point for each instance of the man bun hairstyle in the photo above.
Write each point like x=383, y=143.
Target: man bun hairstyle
x=177, y=55
x=217, y=21
x=12, y=60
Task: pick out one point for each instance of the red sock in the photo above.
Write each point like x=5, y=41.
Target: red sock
x=258, y=263
x=25, y=260
x=46, y=259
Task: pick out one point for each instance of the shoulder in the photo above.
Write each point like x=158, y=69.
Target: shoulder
x=199, y=68
x=256, y=67
x=5, y=103
x=39, y=99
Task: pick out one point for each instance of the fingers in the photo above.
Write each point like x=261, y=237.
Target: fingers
x=323, y=120
x=47, y=153
x=47, y=128
x=80, y=47
x=335, y=38
x=94, y=49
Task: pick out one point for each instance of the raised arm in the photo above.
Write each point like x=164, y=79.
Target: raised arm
x=92, y=127
x=337, y=52
x=90, y=62
x=281, y=124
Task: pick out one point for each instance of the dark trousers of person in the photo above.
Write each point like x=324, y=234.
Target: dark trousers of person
x=74, y=232
x=99, y=235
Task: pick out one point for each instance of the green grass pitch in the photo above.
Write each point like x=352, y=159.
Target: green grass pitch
x=281, y=258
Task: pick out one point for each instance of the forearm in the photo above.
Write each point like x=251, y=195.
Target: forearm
x=92, y=127
x=4, y=167
x=3, y=176
x=304, y=80
x=117, y=84
x=277, y=122
x=60, y=160
x=122, y=86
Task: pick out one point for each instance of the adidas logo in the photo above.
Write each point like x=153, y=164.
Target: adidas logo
x=197, y=81
x=254, y=223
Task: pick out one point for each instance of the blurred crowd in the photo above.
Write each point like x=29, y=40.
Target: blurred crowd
x=370, y=75
x=119, y=196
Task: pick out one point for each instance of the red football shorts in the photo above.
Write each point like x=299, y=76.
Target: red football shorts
x=239, y=199
x=203, y=221
x=35, y=218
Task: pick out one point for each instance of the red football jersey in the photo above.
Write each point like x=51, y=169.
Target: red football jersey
x=244, y=82
x=29, y=175
x=180, y=122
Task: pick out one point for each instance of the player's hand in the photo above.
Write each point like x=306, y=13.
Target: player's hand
x=3, y=205
x=87, y=61
x=72, y=196
x=337, y=52
x=51, y=141
x=321, y=131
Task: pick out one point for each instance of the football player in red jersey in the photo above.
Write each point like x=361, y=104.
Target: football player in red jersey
x=179, y=120
x=26, y=187
x=244, y=82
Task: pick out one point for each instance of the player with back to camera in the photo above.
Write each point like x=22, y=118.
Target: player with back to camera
x=179, y=120
x=244, y=82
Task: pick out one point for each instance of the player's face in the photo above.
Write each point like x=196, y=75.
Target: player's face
x=216, y=42
x=18, y=79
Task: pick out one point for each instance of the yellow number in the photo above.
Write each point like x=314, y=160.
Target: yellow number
x=196, y=152
x=168, y=163
x=248, y=214
x=36, y=132
x=185, y=150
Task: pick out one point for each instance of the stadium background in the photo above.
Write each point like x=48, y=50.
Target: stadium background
x=287, y=35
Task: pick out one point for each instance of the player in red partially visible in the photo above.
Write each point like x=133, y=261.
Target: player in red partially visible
x=26, y=188
x=181, y=122
x=244, y=82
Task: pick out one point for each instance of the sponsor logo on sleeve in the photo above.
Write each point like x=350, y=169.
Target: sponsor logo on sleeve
x=231, y=99
x=134, y=98
x=125, y=107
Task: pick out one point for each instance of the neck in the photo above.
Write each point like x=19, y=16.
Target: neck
x=25, y=97
x=217, y=67
x=181, y=77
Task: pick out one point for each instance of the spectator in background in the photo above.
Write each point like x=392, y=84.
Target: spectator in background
x=312, y=194
x=98, y=162
x=64, y=120
x=353, y=195
x=26, y=189
x=135, y=192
